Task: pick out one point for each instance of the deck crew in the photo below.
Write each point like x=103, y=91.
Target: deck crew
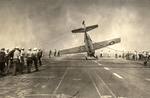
x=29, y=60
x=39, y=56
x=35, y=59
x=2, y=61
x=16, y=61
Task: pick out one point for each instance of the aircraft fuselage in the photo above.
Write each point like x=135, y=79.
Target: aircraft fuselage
x=88, y=45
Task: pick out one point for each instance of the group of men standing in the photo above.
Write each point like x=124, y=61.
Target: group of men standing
x=55, y=53
x=17, y=58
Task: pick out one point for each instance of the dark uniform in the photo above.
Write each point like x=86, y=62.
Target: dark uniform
x=29, y=60
x=50, y=53
x=35, y=59
x=39, y=56
x=2, y=61
x=9, y=57
x=22, y=59
x=58, y=53
x=55, y=52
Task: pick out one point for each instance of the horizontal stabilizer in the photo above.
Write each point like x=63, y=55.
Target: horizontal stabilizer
x=91, y=27
x=86, y=29
x=80, y=30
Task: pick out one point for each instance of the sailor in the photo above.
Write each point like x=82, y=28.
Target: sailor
x=16, y=61
x=7, y=60
x=35, y=59
x=29, y=60
x=116, y=55
x=50, y=53
x=58, y=53
x=39, y=56
x=55, y=52
x=145, y=58
x=101, y=53
x=22, y=59
x=2, y=61
x=9, y=57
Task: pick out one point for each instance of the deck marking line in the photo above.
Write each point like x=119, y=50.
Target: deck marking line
x=117, y=75
x=106, y=85
x=97, y=63
x=43, y=86
x=106, y=96
x=32, y=95
x=76, y=79
x=60, y=81
x=106, y=68
x=148, y=79
x=95, y=85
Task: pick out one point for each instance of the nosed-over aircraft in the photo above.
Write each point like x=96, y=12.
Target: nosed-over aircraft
x=89, y=46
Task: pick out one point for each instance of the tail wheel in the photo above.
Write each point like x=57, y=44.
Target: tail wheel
x=96, y=57
x=86, y=58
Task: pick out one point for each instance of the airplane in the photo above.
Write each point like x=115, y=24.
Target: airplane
x=89, y=46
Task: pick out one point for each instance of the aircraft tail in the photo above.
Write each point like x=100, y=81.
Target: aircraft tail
x=85, y=29
x=82, y=30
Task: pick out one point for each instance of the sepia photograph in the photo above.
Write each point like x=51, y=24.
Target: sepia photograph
x=74, y=49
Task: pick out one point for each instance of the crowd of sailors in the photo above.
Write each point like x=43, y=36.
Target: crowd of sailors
x=135, y=56
x=18, y=60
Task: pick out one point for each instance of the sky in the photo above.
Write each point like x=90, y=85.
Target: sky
x=47, y=24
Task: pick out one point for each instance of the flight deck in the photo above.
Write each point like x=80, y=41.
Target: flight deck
x=75, y=77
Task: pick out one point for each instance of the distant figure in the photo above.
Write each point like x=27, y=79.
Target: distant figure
x=2, y=61
x=123, y=55
x=58, y=53
x=39, y=56
x=101, y=55
x=55, y=52
x=145, y=58
x=140, y=56
x=116, y=55
x=50, y=53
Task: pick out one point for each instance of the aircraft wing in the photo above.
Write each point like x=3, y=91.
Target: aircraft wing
x=103, y=44
x=80, y=30
x=79, y=49
x=96, y=46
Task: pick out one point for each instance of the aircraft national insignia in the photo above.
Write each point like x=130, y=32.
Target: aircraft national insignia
x=111, y=43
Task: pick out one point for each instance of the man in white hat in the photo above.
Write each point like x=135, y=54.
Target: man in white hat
x=16, y=61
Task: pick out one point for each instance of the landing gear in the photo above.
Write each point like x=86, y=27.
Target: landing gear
x=96, y=57
x=145, y=63
x=91, y=57
x=86, y=58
